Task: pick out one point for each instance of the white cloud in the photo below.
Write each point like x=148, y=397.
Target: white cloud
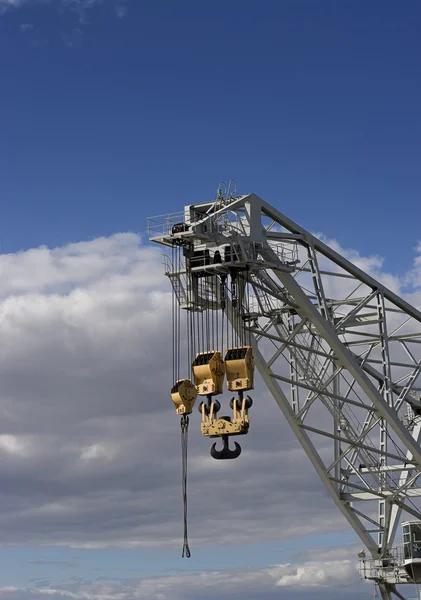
x=325, y=579
x=90, y=442
x=315, y=574
x=88, y=424
x=98, y=452
x=78, y=6
x=12, y=445
x=372, y=265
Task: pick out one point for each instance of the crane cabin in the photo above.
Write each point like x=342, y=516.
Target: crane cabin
x=411, y=533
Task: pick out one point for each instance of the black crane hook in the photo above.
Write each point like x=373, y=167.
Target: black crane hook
x=226, y=452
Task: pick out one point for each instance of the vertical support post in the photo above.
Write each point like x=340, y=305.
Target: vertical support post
x=383, y=510
x=253, y=212
x=317, y=282
x=396, y=511
x=293, y=373
x=337, y=429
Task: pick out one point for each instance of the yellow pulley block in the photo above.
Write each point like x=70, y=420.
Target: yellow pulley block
x=184, y=394
x=239, y=424
x=224, y=426
x=239, y=368
x=208, y=371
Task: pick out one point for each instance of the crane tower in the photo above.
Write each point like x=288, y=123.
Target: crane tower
x=339, y=352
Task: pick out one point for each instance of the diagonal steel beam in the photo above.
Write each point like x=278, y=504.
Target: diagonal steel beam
x=307, y=310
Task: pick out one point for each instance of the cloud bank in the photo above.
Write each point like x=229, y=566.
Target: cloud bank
x=319, y=579
x=89, y=444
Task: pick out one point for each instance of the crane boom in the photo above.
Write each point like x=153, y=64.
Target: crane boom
x=339, y=352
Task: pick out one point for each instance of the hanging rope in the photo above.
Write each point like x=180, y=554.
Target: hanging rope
x=179, y=324
x=173, y=319
x=184, y=439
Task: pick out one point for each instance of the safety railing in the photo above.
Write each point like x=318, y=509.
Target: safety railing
x=286, y=252
x=389, y=568
x=163, y=224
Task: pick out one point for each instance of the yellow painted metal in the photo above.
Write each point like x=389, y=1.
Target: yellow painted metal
x=238, y=425
x=184, y=394
x=239, y=368
x=208, y=371
x=222, y=426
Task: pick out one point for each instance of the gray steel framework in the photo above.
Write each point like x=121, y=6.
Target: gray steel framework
x=339, y=352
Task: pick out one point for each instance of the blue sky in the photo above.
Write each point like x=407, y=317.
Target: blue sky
x=127, y=109
x=312, y=105
x=23, y=565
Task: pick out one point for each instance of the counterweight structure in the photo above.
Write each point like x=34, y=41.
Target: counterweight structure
x=339, y=352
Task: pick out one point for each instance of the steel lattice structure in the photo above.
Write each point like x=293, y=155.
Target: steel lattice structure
x=339, y=352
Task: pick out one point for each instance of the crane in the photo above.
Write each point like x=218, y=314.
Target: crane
x=339, y=352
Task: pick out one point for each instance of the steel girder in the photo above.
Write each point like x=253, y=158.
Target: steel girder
x=338, y=350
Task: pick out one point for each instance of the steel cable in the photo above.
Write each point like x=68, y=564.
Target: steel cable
x=184, y=442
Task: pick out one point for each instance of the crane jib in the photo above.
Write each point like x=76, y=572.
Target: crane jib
x=338, y=351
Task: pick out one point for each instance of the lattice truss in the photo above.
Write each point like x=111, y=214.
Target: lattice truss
x=351, y=355
x=339, y=352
